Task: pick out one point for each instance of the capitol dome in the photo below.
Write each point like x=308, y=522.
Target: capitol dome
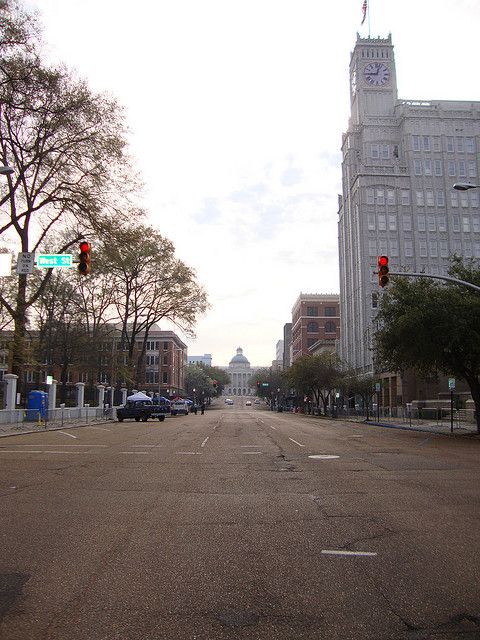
x=239, y=358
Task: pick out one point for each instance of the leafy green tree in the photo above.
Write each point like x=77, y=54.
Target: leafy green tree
x=433, y=328
x=149, y=284
x=67, y=147
x=363, y=386
x=202, y=378
x=317, y=375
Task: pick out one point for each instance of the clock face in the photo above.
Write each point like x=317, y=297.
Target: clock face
x=376, y=73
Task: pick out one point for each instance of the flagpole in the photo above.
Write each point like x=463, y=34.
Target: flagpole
x=368, y=11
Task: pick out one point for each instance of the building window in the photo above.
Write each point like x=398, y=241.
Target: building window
x=330, y=311
x=466, y=224
x=456, y=222
x=443, y=248
x=477, y=249
x=416, y=143
x=438, y=167
x=442, y=223
x=371, y=221
x=374, y=150
x=165, y=359
x=440, y=198
x=464, y=199
x=165, y=377
x=393, y=247
x=436, y=143
x=392, y=222
x=165, y=346
x=382, y=222
x=312, y=327
x=468, y=249
x=407, y=223
x=454, y=199
x=417, y=167
x=380, y=196
x=450, y=144
x=432, y=226
x=385, y=151
x=372, y=247
x=462, y=172
x=460, y=144
x=451, y=168
x=390, y=196
x=330, y=327
x=408, y=248
x=312, y=311
x=370, y=196
x=433, y=249
x=422, y=245
x=405, y=195
x=472, y=169
x=426, y=143
x=470, y=145
x=427, y=165
x=420, y=198
x=421, y=226
x=374, y=300
x=430, y=198
x=475, y=224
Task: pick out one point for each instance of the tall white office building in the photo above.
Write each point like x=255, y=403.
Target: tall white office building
x=400, y=161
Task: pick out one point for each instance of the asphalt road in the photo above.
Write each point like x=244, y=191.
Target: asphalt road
x=224, y=526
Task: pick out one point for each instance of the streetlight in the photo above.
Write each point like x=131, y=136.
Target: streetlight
x=465, y=186
x=5, y=170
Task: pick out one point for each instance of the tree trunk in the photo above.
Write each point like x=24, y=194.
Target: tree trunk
x=474, y=384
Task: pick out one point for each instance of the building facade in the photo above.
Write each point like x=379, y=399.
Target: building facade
x=240, y=372
x=400, y=161
x=315, y=323
x=206, y=359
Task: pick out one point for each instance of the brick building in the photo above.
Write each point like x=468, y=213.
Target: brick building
x=315, y=324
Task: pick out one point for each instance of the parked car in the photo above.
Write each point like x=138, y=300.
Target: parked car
x=248, y=403
x=256, y=401
x=229, y=401
x=179, y=407
x=142, y=410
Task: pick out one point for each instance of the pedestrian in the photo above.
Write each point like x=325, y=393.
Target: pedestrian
x=195, y=409
x=202, y=407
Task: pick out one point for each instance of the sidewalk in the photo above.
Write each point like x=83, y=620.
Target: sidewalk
x=21, y=428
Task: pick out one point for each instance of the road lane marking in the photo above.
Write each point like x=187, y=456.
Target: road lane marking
x=70, y=435
x=205, y=441
x=250, y=453
x=42, y=451
x=188, y=453
x=62, y=445
x=99, y=428
x=138, y=453
x=274, y=428
x=299, y=444
x=323, y=457
x=249, y=446
x=339, y=552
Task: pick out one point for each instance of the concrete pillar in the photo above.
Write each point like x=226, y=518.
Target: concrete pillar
x=124, y=395
x=111, y=395
x=52, y=394
x=10, y=391
x=101, y=395
x=80, y=394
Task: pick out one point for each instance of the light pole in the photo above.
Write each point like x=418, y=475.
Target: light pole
x=5, y=170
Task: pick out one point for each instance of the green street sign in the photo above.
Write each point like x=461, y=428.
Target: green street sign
x=54, y=260
x=265, y=384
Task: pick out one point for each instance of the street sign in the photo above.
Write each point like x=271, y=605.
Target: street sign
x=451, y=383
x=264, y=384
x=54, y=260
x=377, y=387
x=25, y=263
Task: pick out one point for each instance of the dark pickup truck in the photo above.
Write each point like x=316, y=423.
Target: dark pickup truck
x=142, y=410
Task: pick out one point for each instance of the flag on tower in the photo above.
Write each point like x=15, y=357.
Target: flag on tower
x=364, y=11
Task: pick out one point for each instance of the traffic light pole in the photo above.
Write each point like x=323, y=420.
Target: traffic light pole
x=427, y=275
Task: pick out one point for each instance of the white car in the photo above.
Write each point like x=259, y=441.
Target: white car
x=179, y=406
x=228, y=401
x=248, y=403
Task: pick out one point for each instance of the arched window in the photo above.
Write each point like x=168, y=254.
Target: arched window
x=330, y=327
x=312, y=327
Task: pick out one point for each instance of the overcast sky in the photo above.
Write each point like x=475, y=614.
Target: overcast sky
x=236, y=110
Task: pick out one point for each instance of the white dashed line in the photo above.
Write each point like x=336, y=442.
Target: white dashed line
x=205, y=441
x=323, y=457
x=299, y=444
x=338, y=552
x=68, y=434
x=188, y=453
x=137, y=453
x=251, y=453
x=274, y=428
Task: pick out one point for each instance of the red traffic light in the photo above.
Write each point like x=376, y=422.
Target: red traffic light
x=84, y=258
x=383, y=278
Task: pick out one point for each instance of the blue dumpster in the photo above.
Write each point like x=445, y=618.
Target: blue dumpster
x=37, y=405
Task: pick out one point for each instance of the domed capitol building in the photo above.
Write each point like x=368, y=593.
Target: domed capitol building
x=240, y=372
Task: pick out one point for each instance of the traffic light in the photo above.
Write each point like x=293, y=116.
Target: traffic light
x=84, y=258
x=214, y=384
x=383, y=278
x=258, y=384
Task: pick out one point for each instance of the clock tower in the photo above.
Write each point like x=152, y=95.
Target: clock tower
x=373, y=83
